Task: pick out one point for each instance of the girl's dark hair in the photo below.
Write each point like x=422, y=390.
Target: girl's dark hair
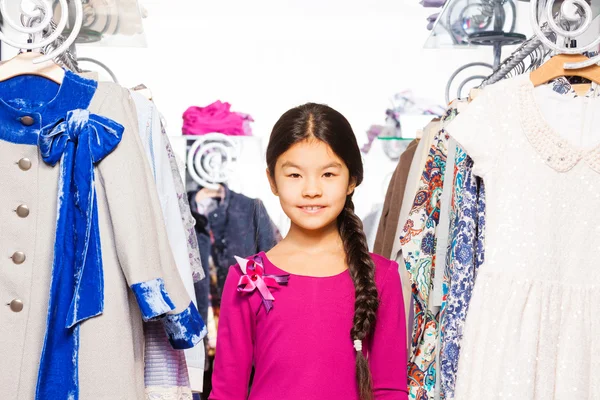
x=329, y=126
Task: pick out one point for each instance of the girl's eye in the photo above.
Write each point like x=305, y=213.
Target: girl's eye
x=328, y=175
x=295, y=176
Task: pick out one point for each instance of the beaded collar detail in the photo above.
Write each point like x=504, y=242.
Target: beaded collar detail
x=558, y=153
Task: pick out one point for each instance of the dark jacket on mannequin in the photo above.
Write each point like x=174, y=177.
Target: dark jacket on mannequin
x=239, y=226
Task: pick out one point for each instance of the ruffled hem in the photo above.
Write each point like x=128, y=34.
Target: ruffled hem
x=168, y=393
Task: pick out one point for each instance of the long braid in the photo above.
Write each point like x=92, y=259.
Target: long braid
x=329, y=126
x=362, y=270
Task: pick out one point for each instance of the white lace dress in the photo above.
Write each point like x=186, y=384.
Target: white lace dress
x=533, y=327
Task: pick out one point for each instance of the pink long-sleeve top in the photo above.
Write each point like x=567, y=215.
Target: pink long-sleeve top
x=302, y=348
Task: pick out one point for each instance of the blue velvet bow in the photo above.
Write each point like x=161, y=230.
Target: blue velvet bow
x=77, y=290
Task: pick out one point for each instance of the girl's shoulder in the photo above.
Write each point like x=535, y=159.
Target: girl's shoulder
x=384, y=269
x=240, y=267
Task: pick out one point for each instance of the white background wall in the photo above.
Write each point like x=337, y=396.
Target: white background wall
x=266, y=56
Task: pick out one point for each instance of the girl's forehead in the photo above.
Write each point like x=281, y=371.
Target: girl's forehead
x=309, y=151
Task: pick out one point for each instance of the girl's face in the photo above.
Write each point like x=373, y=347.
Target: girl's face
x=312, y=183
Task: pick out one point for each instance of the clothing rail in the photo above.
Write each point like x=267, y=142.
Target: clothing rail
x=545, y=37
x=101, y=65
x=517, y=57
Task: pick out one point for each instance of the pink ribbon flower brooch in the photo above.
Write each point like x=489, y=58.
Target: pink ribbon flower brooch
x=254, y=278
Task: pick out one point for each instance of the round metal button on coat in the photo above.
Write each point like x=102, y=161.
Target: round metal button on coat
x=27, y=120
x=25, y=164
x=16, y=305
x=23, y=211
x=18, y=257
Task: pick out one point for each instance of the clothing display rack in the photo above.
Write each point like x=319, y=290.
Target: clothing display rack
x=39, y=21
x=517, y=58
x=491, y=21
x=436, y=214
x=92, y=119
x=451, y=258
x=544, y=41
x=211, y=158
x=537, y=47
x=61, y=48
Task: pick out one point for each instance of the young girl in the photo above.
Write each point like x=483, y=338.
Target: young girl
x=318, y=317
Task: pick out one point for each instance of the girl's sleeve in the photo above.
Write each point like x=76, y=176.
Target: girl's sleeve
x=235, y=343
x=387, y=356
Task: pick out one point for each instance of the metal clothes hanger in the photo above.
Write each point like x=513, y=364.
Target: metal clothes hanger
x=544, y=42
x=104, y=67
x=34, y=62
x=570, y=60
x=516, y=59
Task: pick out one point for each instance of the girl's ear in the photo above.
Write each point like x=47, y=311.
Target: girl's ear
x=351, y=186
x=272, y=183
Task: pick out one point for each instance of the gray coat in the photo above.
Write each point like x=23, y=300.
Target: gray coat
x=135, y=249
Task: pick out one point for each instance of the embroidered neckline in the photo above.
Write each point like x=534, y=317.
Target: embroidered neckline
x=557, y=152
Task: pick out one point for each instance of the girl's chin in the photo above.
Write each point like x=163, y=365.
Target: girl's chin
x=314, y=224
